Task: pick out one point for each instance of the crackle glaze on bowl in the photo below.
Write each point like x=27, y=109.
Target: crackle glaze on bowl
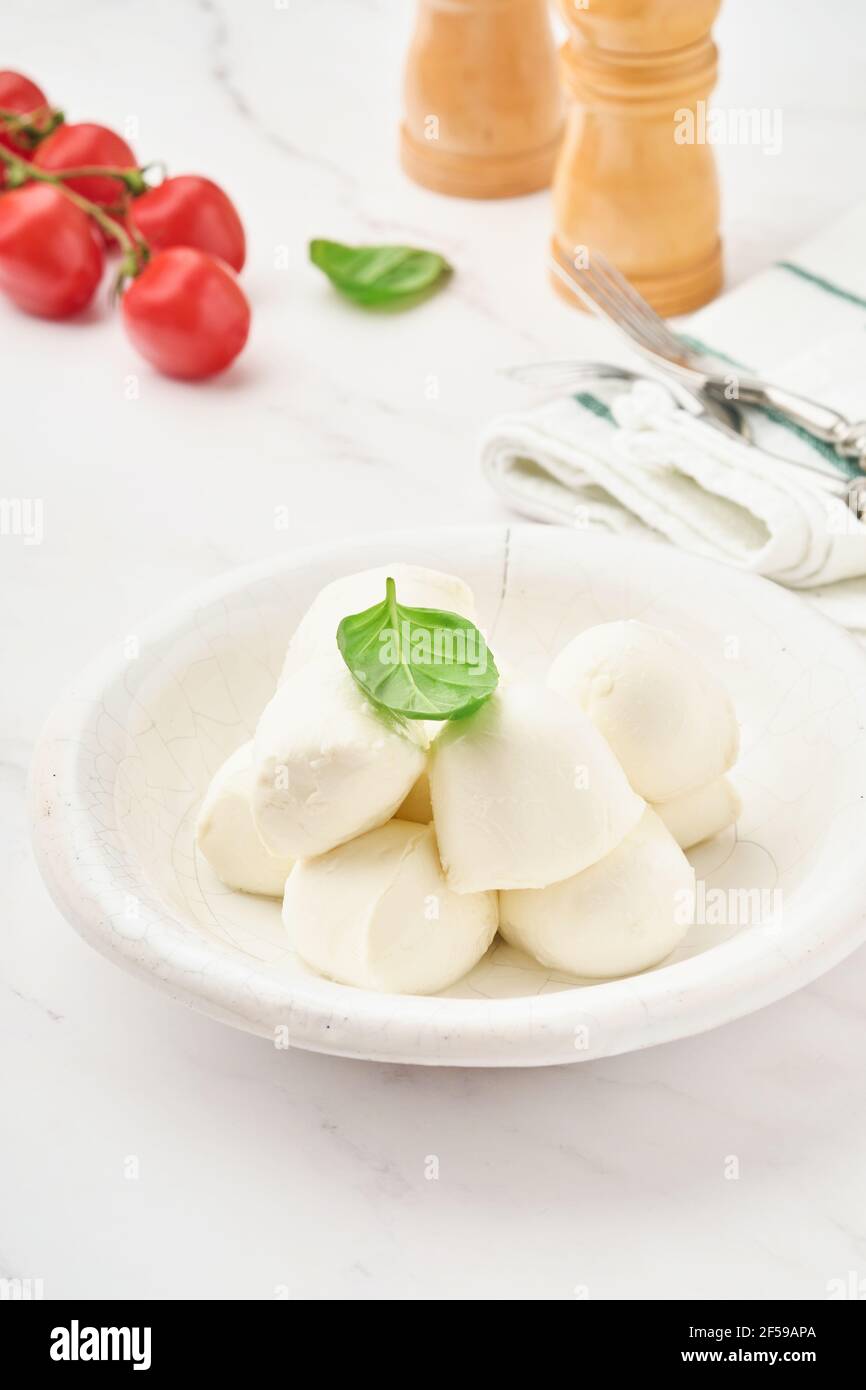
x=126, y=757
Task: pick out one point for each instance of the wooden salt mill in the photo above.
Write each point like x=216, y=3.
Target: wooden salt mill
x=482, y=101
x=628, y=181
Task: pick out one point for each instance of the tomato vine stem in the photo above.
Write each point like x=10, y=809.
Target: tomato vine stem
x=135, y=250
x=133, y=180
x=34, y=125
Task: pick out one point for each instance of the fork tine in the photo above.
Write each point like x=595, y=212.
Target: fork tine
x=609, y=293
x=570, y=278
x=633, y=309
x=592, y=290
x=653, y=321
x=613, y=273
x=651, y=329
x=588, y=288
x=616, y=308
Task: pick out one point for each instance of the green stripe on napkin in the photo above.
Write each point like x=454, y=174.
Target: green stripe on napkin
x=821, y=283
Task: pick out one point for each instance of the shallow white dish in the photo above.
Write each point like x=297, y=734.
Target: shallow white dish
x=125, y=758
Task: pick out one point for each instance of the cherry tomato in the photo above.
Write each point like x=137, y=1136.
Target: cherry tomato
x=186, y=313
x=50, y=259
x=71, y=146
x=190, y=211
x=18, y=94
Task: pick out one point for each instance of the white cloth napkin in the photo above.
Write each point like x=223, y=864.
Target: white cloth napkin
x=633, y=461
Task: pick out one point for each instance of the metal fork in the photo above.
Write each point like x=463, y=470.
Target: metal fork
x=567, y=376
x=602, y=288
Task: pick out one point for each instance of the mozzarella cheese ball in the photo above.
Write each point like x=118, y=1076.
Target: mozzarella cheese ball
x=226, y=834
x=525, y=792
x=669, y=721
x=377, y=913
x=328, y=764
x=624, y=913
x=700, y=814
x=316, y=634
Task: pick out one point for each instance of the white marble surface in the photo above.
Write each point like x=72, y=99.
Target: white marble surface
x=261, y=1173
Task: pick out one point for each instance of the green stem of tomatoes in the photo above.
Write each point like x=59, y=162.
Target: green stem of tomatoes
x=132, y=179
x=135, y=252
x=33, y=125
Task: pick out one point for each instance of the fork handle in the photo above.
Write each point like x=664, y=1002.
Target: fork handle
x=847, y=438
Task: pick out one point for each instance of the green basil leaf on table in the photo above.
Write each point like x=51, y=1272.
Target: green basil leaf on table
x=420, y=663
x=379, y=276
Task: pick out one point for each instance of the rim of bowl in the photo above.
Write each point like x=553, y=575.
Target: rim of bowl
x=636, y=1011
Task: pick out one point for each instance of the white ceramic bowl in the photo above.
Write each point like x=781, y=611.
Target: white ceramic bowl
x=125, y=759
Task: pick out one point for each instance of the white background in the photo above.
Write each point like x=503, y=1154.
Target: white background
x=264, y=1172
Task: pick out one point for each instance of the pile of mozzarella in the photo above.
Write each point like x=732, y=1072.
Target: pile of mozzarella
x=556, y=813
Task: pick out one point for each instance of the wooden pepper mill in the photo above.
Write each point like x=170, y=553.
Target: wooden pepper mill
x=629, y=181
x=483, y=107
